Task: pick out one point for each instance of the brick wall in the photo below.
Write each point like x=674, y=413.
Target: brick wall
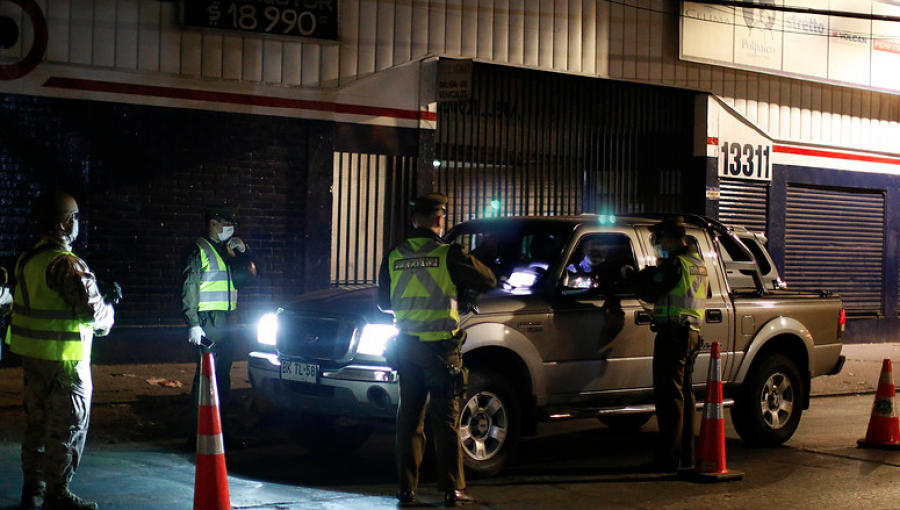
x=141, y=176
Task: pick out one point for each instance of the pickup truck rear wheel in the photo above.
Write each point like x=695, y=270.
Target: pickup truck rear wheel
x=767, y=411
x=488, y=424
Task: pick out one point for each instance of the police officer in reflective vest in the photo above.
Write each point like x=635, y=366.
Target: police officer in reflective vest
x=209, y=296
x=679, y=284
x=57, y=310
x=420, y=281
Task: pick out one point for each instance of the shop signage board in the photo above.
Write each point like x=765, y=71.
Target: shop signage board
x=285, y=18
x=855, y=45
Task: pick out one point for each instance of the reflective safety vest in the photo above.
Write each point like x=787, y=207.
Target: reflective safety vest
x=422, y=294
x=217, y=291
x=43, y=325
x=687, y=301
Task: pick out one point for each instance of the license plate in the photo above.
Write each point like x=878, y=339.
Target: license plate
x=296, y=371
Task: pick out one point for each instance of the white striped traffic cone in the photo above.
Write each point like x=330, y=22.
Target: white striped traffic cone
x=711, y=446
x=211, y=481
x=884, y=425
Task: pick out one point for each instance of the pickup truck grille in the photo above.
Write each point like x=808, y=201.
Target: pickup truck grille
x=318, y=338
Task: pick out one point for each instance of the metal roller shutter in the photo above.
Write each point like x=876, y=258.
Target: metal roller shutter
x=744, y=203
x=834, y=240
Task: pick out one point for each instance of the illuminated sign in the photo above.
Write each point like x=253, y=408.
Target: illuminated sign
x=286, y=18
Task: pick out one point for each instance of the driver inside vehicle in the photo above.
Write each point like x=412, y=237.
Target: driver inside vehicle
x=605, y=264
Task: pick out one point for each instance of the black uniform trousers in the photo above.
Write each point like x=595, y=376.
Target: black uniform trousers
x=425, y=378
x=674, y=352
x=221, y=328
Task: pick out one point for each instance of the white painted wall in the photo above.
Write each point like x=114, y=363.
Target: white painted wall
x=635, y=40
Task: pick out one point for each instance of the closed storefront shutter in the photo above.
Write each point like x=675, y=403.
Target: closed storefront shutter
x=744, y=203
x=834, y=240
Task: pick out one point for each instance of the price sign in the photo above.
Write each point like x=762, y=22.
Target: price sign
x=288, y=18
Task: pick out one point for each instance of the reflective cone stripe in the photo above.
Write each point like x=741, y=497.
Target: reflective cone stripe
x=884, y=425
x=711, y=446
x=211, y=480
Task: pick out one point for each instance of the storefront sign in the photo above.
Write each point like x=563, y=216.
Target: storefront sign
x=287, y=18
x=743, y=151
x=454, y=80
x=857, y=45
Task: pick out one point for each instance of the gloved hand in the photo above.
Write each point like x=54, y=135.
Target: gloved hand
x=195, y=334
x=111, y=292
x=235, y=243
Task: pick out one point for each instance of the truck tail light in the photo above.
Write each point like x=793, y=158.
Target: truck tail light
x=842, y=319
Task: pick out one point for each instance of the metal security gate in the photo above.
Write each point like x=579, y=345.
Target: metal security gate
x=367, y=212
x=538, y=143
x=744, y=203
x=834, y=240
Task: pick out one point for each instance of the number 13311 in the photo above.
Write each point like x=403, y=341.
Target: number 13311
x=746, y=161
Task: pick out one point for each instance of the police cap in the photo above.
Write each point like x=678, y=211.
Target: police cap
x=429, y=202
x=669, y=227
x=221, y=211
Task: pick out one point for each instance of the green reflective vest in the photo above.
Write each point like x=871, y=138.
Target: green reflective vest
x=217, y=291
x=687, y=301
x=422, y=294
x=43, y=325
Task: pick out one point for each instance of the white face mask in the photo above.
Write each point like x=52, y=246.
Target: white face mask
x=71, y=234
x=226, y=233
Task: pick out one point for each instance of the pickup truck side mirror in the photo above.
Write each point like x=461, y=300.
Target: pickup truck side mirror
x=751, y=267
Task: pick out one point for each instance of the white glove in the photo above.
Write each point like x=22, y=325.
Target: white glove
x=195, y=334
x=235, y=243
x=6, y=296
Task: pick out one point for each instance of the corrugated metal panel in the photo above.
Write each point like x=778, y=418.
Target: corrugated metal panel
x=785, y=108
x=367, y=214
x=624, y=39
x=744, y=203
x=547, y=144
x=834, y=240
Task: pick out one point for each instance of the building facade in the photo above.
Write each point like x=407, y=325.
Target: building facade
x=322, y=118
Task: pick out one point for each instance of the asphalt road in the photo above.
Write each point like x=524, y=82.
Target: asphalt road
x=581, y=465
x=136, y=459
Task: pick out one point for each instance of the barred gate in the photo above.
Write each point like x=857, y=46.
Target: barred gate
x=367, y=213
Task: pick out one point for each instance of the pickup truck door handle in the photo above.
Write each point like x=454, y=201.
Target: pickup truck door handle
x=714, y=315
x=642, y=317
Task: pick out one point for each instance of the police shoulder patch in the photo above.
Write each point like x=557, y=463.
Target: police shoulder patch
x=699, y=270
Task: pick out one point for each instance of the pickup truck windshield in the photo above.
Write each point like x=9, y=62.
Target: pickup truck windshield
x=509, y=246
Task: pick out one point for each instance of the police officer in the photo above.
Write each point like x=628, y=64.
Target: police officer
x=419, y=281
x=57, y=310
x=209, y=296
x=679, y=287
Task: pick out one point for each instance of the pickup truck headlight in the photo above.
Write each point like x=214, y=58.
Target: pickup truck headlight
x=374, y=337
x=267, y=329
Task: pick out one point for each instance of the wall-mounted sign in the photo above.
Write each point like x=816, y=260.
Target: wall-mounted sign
x=857, y=46
x=454, y=80
x=286, y=18
x=743, y=151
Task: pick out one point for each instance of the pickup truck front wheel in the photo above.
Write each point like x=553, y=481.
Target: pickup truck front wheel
x=767, y=410
x=488, y=424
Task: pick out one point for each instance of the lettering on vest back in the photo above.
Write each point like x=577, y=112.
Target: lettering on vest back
x=401, y=264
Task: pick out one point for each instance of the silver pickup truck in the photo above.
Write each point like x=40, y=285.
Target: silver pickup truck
x=552, y=342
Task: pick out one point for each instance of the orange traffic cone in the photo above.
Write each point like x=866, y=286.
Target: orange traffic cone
x=710, y=465
x=884, y=427
x=211, y=481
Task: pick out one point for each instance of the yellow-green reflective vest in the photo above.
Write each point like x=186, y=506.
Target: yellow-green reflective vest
x=422, y=294
x=43, y=325
x=687, y=301
x=217, y=291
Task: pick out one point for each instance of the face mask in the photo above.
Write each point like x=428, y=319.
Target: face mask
x=226, y=233
x=664, y=254
x=71, y=233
